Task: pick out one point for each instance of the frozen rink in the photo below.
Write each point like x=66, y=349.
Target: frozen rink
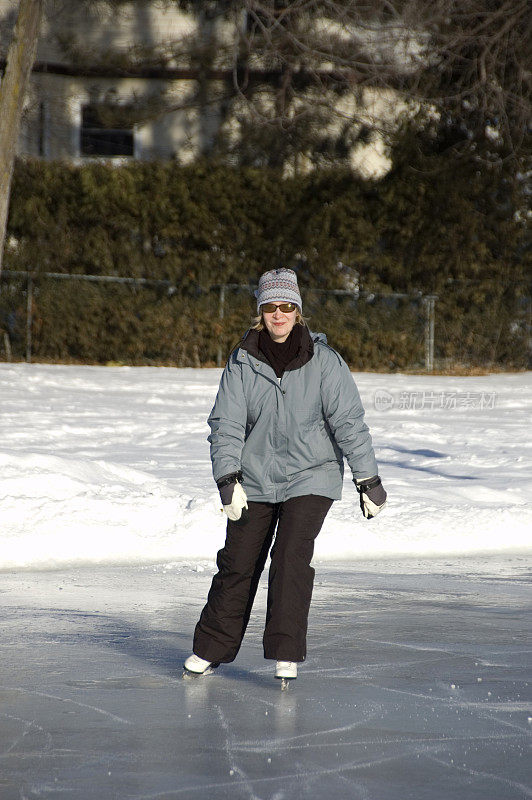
x=416, y=686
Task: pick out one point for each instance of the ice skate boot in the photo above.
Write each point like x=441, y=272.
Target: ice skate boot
x=195, y=667
x=286, y=671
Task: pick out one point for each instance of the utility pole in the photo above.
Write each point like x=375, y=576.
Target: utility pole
x=13, y=87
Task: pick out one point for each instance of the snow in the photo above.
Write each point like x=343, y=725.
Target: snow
x=110, y=465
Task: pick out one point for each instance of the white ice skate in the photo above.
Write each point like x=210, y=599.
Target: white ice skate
x=286, y=671
x=195, y=666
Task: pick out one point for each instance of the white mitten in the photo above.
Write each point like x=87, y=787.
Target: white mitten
x=372, y=496
x=233, y=497
x=238, y=503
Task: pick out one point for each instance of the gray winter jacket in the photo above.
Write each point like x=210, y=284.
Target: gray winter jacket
x=289, y=435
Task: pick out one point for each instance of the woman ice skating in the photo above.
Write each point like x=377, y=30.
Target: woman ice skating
x=286, y=414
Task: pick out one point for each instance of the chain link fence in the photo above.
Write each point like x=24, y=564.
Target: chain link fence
x=108, y=319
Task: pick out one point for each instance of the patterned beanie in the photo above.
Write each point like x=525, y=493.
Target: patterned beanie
x=278, y=286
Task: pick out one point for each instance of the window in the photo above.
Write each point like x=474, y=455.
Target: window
x=106, y=131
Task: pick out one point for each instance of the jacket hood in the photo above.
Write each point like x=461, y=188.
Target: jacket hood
x=314, y=336
x=250, y=343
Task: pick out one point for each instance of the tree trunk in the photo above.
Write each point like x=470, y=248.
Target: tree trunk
x=13, y=87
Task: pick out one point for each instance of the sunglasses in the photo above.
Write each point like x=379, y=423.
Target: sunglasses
x=271, y=308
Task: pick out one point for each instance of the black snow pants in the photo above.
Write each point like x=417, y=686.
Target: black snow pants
x=224, y=619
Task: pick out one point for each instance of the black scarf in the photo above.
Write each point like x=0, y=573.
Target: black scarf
x=280, y=354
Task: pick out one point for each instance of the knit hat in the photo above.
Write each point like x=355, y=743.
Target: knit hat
x=278, y=286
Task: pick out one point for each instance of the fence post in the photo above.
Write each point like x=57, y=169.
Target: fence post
x=221, y=313
x=7, y=346
x=29, y=317
x=429, y=302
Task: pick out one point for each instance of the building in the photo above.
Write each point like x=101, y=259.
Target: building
x=149, y=80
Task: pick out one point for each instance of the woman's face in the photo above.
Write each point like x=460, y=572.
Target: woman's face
x=278, y=323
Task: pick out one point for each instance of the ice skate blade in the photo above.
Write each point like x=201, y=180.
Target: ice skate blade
x=189, y=675
x=285, y=682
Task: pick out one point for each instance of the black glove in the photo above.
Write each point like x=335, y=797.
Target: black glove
x=233, y=497
x=372, y=495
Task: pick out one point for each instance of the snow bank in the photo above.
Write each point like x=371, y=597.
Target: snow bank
x=107, y=465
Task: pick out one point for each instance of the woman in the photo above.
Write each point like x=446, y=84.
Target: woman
x=286, y=414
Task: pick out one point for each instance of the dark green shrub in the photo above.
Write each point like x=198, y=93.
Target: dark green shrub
x=425, y=228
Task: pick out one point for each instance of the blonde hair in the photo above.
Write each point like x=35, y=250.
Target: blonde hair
x=257, y=323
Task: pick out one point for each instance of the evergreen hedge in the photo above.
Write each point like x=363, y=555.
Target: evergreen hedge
x=425, y=228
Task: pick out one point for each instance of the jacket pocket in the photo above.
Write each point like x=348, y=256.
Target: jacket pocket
x=257, y=470
x=321, y=444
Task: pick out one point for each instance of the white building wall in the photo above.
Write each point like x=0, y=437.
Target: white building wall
x=53, y=108
x=52, y=115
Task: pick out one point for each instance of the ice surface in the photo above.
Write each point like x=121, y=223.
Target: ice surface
x=107, y=465
x=416, y=687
